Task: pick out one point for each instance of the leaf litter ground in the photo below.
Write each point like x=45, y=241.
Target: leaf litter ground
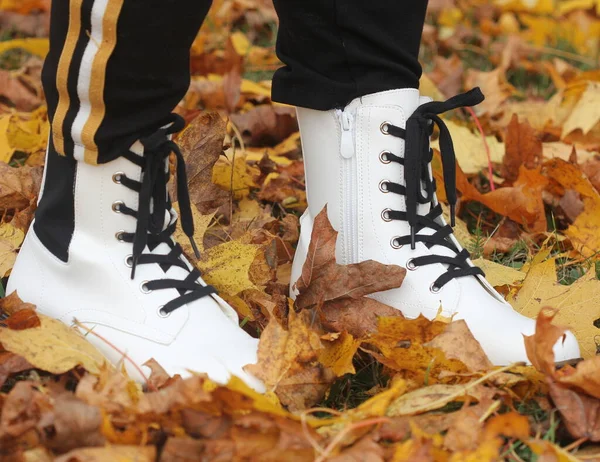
x=349, y=379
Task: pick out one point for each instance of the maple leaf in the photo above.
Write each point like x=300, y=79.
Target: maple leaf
x=52, y=346
x=523, y=148
x=288, y=362
x=202, y=144
x=324, y=280
x=578, y=305
x=11, y=239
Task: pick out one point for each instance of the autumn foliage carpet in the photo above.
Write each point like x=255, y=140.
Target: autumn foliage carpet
x=348, y=379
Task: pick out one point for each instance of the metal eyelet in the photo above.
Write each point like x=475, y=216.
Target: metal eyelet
x=434, y=289
x=394, y=243
x=120, y=236
x=383, y=157
x=383, y=186
x=385, y=215
x=129, y=261
x=116, y=206
x=161, y=313
x=144, y=287
x=117, y=177
x=410, y=264
x=385, y=128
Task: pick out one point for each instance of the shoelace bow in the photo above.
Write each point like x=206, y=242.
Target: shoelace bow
x=153, y=206
x=420, y=187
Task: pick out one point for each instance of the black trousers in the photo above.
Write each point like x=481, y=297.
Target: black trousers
x=117, y=68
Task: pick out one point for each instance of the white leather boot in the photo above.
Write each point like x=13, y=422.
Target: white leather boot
x=124, y=277
x=370, y=164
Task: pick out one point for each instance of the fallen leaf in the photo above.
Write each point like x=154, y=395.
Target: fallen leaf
x=324, y=280
x=432, y=397
x=226, y=266
x=11, y=363
x=580, y=412
x=457, y=342
x=357, y=317
x=202, y=144
x=578, y=305
x=499, y=275
x=52, y=347
x=288, y=363
x=401, y=345
x=523, y=148
x=470, y=148
x=266, y=125
x=338, y=354
x=18, y=186
x=115, y=453
x=583, y=232
x=11, y=239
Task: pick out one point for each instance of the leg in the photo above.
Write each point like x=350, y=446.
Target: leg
x=351, y=67
x=100, y=249
x=338, y=50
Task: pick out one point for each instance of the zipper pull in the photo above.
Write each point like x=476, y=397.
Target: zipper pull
x=347, y=142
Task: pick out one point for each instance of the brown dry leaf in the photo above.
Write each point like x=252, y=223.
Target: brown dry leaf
x=11, y=363
x=580, y=412
x=466, y=432
x=578, y=305
x=288, y=362
x=23, y=319
x=540, y=346
x=114, y=453
x=71, y=424
x=18, y=186
x=202, y=144
x=21, y=410
x=12, y=304
x=494, y=86
x=323, y=279
x=266, y=125
x=523, y=148
x=52, y=347
x=457, y=342
x=357, y=317
x=15, y=90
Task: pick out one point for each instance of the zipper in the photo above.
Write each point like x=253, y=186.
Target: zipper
x=350, y=190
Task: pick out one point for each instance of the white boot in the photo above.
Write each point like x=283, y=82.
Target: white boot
x=169, y=315
x=355, y=163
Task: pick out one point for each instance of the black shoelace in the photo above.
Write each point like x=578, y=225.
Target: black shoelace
x=420, y=187
x=150, y=230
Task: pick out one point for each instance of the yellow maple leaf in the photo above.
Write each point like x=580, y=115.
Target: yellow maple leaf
x=10, y=240
x=578, y=304
x=586, y=113
x=35, y=46
x=470, y=149
x=53, y=347
x=533, y=6
x=226, y=266
x=338, y=354
x=499, y=275
x=234, y=174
